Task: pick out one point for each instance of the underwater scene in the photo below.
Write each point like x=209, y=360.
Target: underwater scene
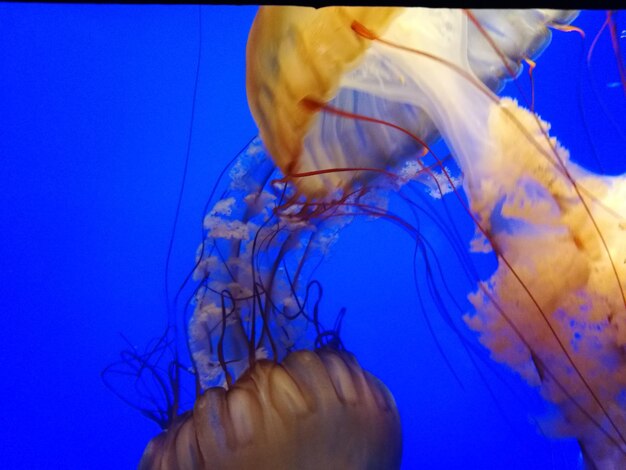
x=155, y=247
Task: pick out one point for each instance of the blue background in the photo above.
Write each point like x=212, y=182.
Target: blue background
x=95, y=110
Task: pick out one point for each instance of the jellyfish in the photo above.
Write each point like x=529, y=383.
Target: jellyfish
x=345, y=97
x=274, y=389
x=314, y=410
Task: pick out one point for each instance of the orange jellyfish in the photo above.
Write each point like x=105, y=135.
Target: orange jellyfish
x=345, y=96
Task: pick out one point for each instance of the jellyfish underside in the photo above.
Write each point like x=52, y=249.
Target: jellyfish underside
x=555, y=309
x=298, y=54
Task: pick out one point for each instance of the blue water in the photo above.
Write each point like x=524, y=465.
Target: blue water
x=95, y=111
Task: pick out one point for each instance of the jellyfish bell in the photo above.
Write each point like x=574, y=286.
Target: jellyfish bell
x=314, y=410
x=554, y=309
x=298, y=56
